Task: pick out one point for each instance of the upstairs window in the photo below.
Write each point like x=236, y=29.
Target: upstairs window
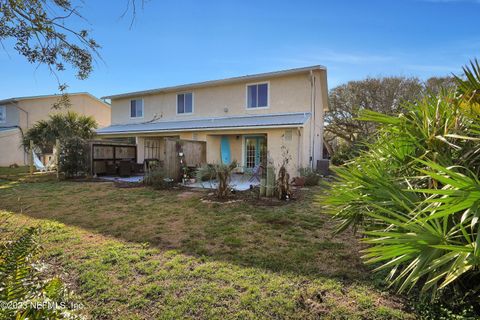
x=257, y=95
x=3, y=114
x=136, y=108
x=184, y=103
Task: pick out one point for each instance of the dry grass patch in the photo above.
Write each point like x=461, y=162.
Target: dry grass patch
x=141, y=253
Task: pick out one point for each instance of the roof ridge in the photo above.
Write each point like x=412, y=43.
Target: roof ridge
x=44, y=96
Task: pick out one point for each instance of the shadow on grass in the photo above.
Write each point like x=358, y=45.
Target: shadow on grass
x=294, y=238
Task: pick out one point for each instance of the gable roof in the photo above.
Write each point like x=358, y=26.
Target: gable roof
x=257, y=76
x=16, y=99
x=225, y=123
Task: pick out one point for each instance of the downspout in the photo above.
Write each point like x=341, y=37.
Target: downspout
x=26, y=113
x=299, y=149
x=312, y=122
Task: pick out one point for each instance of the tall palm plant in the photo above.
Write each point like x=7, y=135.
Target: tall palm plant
x=416, y=194
x=60, y=126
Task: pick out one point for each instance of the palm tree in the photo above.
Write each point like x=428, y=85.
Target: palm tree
x=60, y=126
x=415, y=194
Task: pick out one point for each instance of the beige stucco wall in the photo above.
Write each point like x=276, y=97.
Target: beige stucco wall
x=298, y=156
x=11, y=151
x=41, y=108
x=286, y=94
x=305, y=92
x=25, y=113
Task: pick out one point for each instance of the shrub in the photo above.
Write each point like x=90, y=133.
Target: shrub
x=222, y=172
x=416, y=194
x=310, y=175
x=206, y=173
x=156, y=178
x=345, y=153
x=21, y=284
x=283, y=184
x=73, y=157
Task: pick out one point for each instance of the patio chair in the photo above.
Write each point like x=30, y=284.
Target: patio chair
x=256, y=173
x=111, y=169
x=125, y=169
x=137, y=167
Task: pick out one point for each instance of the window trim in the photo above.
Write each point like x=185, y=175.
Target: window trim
x=143, y=109
x=268, y=95
x=176, y=104
x=4, y=107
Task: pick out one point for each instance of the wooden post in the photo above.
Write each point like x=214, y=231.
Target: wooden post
x=30, y=157
x=270, y=181
x=263, y=187
x=57, y=157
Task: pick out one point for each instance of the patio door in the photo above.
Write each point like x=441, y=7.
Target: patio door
x=255, y=151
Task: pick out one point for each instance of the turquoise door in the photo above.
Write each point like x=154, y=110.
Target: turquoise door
x=255, y=151
x=225, y=150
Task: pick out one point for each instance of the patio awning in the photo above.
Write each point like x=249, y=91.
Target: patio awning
x=223, y=123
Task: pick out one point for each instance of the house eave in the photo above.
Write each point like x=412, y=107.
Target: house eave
x=133, y=132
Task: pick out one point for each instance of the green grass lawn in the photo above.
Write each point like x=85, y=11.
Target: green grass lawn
x=138, y=253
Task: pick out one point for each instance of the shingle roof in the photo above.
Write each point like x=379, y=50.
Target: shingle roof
x=249, y=121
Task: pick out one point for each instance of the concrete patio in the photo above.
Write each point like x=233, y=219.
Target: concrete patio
x=239, y=182
x=131, y=179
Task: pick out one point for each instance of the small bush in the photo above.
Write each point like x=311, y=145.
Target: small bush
x=73, y=157
x=156, y=178
x=311, y=177
x=344, y=153
x=22, y=282
x=206, y=172
x=221, y=172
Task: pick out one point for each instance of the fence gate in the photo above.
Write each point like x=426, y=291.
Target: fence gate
x=194, y=155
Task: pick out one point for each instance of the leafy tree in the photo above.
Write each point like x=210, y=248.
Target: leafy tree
x=434, y=85
x=383, y=95
x=415, y=193
x=42, y=32
x=345, y=134
x=60, y=126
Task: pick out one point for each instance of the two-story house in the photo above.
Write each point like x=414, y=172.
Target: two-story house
x=250, y=119
x=17, y=115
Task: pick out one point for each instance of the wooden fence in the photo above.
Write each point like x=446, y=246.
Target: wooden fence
x=191, y=153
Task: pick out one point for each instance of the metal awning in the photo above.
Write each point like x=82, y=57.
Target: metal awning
x=222, y=123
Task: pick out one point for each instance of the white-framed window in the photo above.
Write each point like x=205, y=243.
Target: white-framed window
x=257, y=95
x=3, y=114
x=185, y=103
x=136, y=108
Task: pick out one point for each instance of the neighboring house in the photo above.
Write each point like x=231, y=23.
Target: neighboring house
x=252, y=119
x=17, y=115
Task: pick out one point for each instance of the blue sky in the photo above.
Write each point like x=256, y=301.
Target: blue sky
x=175, y=42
